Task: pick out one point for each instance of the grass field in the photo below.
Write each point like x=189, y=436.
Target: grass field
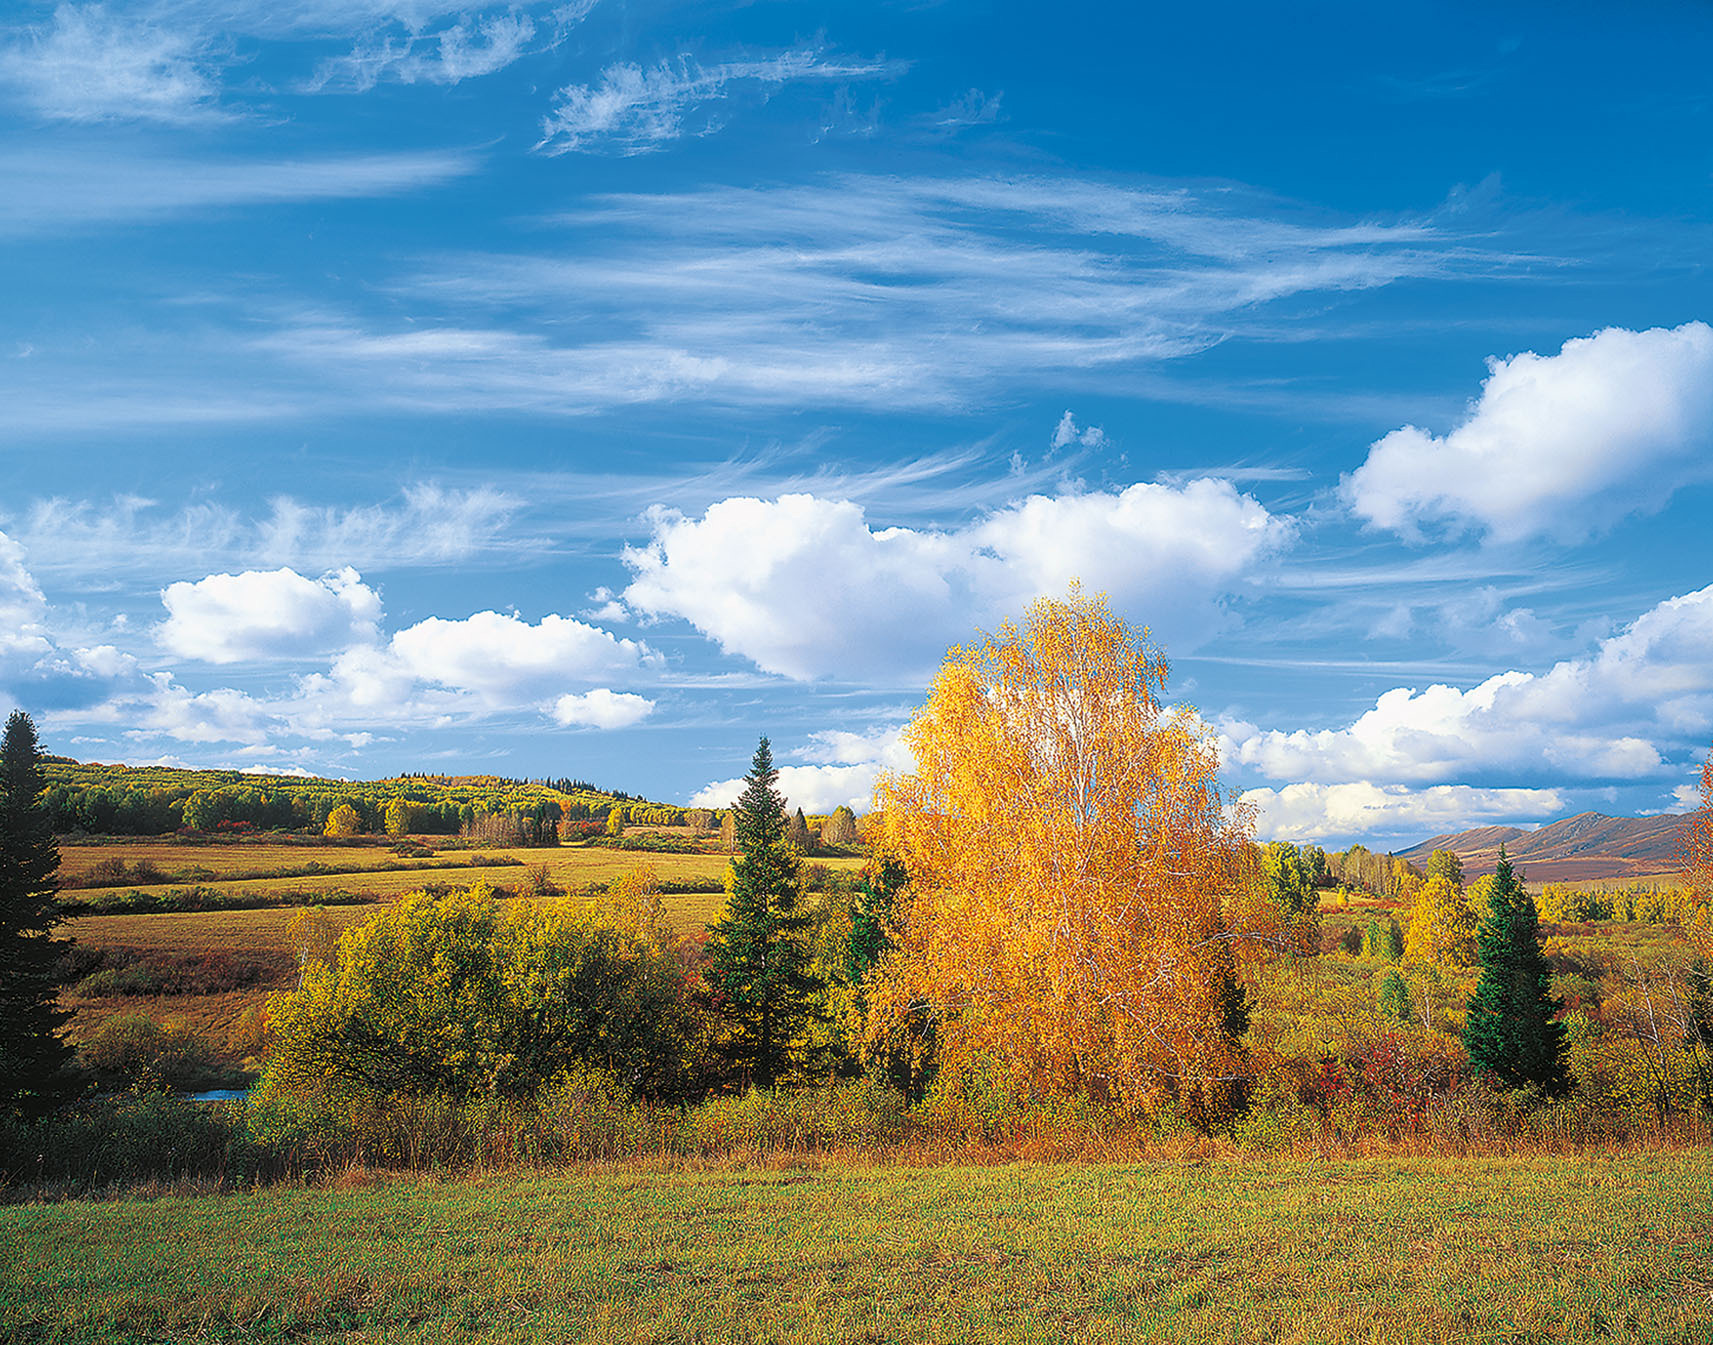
x=1615, y=1248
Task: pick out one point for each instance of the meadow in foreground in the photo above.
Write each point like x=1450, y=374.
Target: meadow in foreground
x=1597, y=1247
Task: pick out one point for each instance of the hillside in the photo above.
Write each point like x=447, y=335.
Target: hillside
x=1588, y=845
x=97, y=798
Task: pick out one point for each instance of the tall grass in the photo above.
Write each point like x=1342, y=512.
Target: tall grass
x=588, y=1119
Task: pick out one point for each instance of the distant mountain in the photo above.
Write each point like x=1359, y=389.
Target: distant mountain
x=1589, y=845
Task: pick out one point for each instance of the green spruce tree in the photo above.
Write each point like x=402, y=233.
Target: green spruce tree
x=759, y=961
x=33, y=1058
x=1394, y=999
x=1511, y=1033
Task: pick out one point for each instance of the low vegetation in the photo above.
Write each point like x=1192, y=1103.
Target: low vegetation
x=1436, y=1250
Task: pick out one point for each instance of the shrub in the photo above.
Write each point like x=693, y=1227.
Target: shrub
x=537, y=882
x=140, y=1137
x=132, y=1051
x=865, y=1114
x=452, y=997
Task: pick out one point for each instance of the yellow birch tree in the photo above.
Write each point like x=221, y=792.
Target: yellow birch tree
x=1078, y=887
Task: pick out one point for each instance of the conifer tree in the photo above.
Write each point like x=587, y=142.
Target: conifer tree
x=32, y=1055
x=758, y=958
x=1394, y=998
x=1511, y=1035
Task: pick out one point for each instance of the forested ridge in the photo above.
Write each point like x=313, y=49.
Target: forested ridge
x=118, y=800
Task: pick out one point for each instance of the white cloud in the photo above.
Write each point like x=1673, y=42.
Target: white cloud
x=631, y=110
x=1558, y=445
x=473, y=46
x=1068, y=432
x=975, y=108
x=601, y=709
x=93, y=65
x=1685, y=799
x=859, y=290
x=1615, y=714
x=51, y=189
x=268, y=614
x=502, y=655
x=846, y=767
x=439, y=672
x=805, y=587
x=41, y=669
x=223, y=715
x=425, y=524
x=1316, y=812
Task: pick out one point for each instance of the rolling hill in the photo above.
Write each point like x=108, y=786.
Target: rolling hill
x=1588, y=845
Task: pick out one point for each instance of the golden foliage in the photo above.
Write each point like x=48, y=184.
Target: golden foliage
x=1442, y=925
x=1698, y=864
x=633, y=907
x=343, y=821
x=1077, y=883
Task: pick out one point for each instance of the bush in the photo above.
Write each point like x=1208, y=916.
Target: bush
x=866, y=1114
x=132, y=1051
x=170, y=974
x=449, y=996
x=116, y=1141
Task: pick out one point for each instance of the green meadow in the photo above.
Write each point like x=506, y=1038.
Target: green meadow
x=1607, y=1248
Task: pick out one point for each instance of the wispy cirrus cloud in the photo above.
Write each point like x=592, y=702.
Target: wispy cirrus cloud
x=633, y=109
x=54, y=186
x=165, y=61
x=90, y=63
x=472, y=45
x=425, y=524
x=865, y=291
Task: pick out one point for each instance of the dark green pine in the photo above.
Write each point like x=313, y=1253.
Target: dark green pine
x=1511, y=1033
x=33, y=1058
x=759, y=960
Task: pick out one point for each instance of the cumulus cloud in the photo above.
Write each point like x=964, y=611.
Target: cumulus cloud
x=631, y=110
x=1558, y=445
x=843, y=769
x=601, y=709
x=500, y=655
x=1615, y=714
x=442, y=671
x=268, y=614
x=806, y=587
x=1068, y=432
x=91, y=64
x=1315, y=812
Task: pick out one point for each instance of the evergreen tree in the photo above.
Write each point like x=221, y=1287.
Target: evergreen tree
x=1392, y=940
x=1510, y=1034
x=1394, y=999
x=757, y=955
x=33, y=1059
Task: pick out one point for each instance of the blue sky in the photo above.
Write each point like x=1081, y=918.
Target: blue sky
x=587, y=388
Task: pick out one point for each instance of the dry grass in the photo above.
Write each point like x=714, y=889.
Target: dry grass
x=567, y=866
